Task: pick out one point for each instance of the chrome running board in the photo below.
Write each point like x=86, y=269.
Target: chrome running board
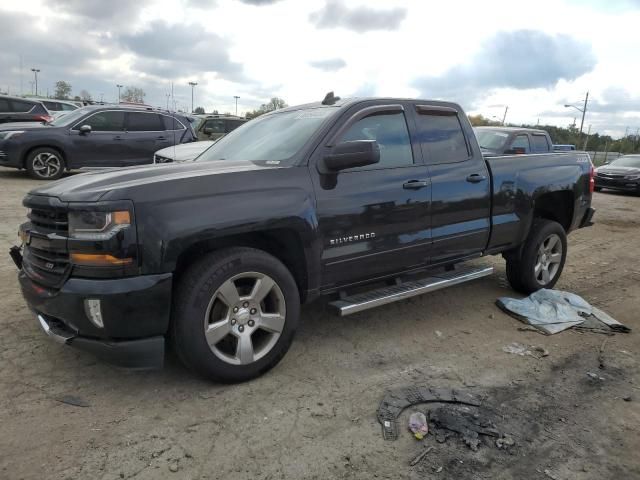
x=381, y=296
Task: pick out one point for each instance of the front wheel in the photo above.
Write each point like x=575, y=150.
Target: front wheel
x=45, y=164
x=542, y=260
x=235, y=314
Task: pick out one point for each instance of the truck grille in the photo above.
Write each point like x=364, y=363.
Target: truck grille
x=46, y=259
x=2, y=154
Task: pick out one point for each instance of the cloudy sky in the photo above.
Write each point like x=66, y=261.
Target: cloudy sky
x=532, y=56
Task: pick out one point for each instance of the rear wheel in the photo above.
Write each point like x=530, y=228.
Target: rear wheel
x=45, y=164
x=235, y=315
x=542, y=260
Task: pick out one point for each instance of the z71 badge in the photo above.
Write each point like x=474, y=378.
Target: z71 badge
x=351, y=238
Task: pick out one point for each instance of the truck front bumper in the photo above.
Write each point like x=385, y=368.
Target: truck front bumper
x=134, y=312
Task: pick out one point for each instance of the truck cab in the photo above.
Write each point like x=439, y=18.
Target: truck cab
x=513, y=140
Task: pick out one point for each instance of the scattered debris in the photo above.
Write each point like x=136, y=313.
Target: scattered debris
x=505, y=442
x=595, y=376
x=550, y=475
x=418, y=425
x=437, y=470
x=627, y=398
x=438, y=334
x=552, y=311
x=464, y=422
x=418, y=458
x=395, y=401
x=73, y=400
x=174, y=467
x=522, y=350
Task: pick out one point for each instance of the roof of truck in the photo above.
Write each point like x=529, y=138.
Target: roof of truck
x=512, y=129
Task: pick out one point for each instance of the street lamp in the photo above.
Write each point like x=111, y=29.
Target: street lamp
x=35, y=74
x=582, y=110
x=236, y=97
x=119, y=87
x=193, y=84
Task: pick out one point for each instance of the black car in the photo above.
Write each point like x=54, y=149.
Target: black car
x=623, y=173
x=16, y=109
x=92, y=136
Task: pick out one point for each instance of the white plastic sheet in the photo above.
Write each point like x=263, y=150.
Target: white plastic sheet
x=553, y=311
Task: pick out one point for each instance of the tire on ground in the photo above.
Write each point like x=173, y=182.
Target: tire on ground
x=521, y=271
x=195, y=291
x=45, y=163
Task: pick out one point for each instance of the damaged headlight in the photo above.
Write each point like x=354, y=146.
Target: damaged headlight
x=93, y=225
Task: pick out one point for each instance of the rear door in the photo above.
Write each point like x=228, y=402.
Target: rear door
x=145, y=135
x=373, y=220
x=103, y=146
x=460, y=184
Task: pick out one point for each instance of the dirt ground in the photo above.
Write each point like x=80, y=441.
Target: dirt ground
x=313, y=416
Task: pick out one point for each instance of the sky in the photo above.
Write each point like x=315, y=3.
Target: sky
x=533, y=57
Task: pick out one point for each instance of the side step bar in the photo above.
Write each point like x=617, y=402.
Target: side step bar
x=381, y=296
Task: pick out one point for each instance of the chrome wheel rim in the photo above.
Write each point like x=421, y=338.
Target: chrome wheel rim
x=245, y=318
x=47, y=164
x=548, y=259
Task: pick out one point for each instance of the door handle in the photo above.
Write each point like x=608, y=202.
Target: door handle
x=476, y=178
x=117, y=137
x=161, y=138
x=415, y=184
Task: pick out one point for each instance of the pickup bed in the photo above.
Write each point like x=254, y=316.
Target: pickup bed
x=370, y=201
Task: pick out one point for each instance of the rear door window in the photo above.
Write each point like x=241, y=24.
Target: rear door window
x=4, y=105
x=171, y=123
x=111, y=121
x=20, y=106
x=441, y=137
x=540, y=143
x=144, y=122
x=216, y=126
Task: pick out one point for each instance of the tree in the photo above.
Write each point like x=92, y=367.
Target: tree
x=133, y=95
x=63, y=90
x=275, y=103
x=199, y=110
x=481, y=121
x=84, y=95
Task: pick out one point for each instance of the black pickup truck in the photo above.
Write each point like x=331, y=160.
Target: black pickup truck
x=369, y=200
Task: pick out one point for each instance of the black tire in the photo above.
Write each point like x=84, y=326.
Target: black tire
x=521, y=271
x=199, y=288
x=45, y=163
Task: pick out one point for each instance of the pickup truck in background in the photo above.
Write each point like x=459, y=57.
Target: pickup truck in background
x=512, y=140
x=367, y=200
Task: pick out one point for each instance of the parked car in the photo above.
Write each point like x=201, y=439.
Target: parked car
x=182, y=153
x=17, y=109
x=213, y=127
x=57, y=107
x=623, y=174
x=564, y=148
x=217, y=254
x=92, y=136
x=512, y=140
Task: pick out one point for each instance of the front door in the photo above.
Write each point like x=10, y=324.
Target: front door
x=373, y=220
x=104, y=145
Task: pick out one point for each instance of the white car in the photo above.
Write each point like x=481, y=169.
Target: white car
x=183, y=152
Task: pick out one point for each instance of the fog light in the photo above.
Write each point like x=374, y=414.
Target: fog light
x=93, y=311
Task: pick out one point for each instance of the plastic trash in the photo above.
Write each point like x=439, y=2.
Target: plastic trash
x=418, y=425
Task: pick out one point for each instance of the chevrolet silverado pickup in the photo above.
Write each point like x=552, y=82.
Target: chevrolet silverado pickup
x=366, y=200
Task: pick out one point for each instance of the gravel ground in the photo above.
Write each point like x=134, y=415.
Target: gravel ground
x=313, y=416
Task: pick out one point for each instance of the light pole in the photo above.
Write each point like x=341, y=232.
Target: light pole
x=504, y=117
x=193, y=84
x=119, y=87
x=583, y=110
x=236, y=97
x=35, y=74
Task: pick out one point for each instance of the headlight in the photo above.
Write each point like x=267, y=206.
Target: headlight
x=93, y=225
x=632, y=177
x=10, y=134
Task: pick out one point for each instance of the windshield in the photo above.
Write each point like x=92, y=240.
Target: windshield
x=275, y=137
x=627, y=161
x=68, y=118
x=491, y=139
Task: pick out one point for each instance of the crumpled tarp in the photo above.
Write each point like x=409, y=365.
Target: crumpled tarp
x=552, y=311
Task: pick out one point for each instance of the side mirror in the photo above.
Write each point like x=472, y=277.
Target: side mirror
x=207, y=131
x=357, y=153
x=607, y=162
x=84, y=129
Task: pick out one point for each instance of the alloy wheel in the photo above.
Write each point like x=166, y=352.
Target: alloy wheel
x=47, y=164
x=548, y=259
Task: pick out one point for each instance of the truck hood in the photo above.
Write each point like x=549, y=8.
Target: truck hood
x=23, y=126
x=91, y=187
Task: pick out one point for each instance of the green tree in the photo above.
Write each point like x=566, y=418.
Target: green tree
x=133, y=95
x=199, y=110
x=482, y=121
x=63, y=90
x=275, y=103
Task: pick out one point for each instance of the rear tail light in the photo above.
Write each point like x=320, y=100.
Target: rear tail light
x=592, y=180
x=43, y=118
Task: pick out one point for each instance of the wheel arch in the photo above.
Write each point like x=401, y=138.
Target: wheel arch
x=557, y=206
x=57, y=148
